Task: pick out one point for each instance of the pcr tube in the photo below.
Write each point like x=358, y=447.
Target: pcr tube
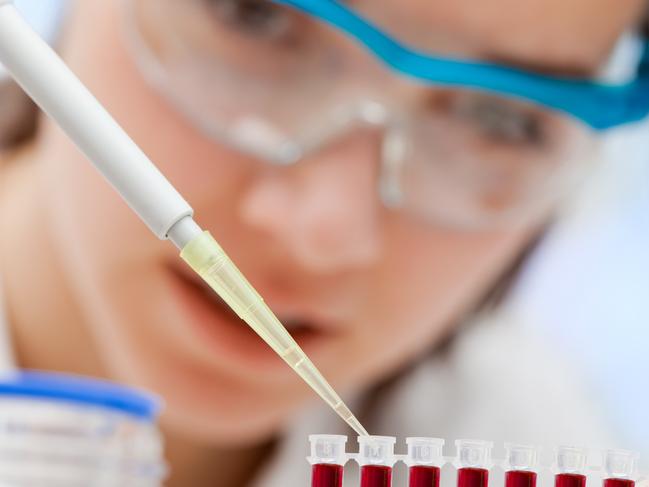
x=376, y=459
x=520, y=465
x=424, y=461
x=619, y=466
x=474, y=461
x=327, y=459
x=571, y=461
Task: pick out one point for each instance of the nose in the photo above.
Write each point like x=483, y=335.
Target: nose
x=323, y=211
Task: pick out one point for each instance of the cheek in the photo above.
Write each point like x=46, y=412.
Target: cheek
x=110, y=258
x=439, y=273
x=427, y=281
x=108, y=254
x=84, y=211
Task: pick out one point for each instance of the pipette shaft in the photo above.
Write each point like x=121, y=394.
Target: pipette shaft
x=60, y=94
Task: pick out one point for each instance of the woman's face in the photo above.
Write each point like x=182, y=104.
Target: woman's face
x=362, y=288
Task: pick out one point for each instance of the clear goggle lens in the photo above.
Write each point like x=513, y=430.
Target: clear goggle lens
x=279, y=85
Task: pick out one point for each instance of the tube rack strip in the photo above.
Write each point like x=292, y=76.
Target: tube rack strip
x=618, y=466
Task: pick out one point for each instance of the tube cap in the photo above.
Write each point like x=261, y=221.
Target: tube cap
x=571, y=459
x=328, y=449
x=520, y=457
x=620, y=463
x=425, y=451
x=473, y=453
x=376, y=450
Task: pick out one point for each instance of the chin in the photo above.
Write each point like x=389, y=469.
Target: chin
x=208, y=411
x=214, y=429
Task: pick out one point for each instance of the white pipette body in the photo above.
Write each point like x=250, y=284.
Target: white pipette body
x=60, y=94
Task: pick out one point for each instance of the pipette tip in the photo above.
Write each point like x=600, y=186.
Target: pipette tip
x=357, y=426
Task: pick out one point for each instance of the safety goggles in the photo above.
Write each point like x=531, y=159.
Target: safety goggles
x=467, y=142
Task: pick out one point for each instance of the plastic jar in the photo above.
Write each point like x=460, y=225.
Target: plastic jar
x=58, y=430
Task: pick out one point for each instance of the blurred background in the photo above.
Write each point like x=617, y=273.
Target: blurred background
x=586, y=287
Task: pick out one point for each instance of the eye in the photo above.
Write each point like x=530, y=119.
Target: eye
x=260, y=18
x=501, y=120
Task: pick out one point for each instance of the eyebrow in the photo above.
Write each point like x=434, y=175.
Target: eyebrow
x=564, y=70
x=560, y=70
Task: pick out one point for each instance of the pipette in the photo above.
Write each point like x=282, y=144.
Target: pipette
x=60, y=94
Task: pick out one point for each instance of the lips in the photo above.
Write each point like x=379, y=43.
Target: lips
x=225, y=334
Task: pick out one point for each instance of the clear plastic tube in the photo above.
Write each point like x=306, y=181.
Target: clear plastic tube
x=376, y=459
x=328, y=459
x=619, y=467
x=424, y=460
x=520, y=465
x=571, y=462
x=58, y=430
x=473, y=461
x=210, y=261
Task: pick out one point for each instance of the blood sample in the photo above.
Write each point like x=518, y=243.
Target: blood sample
x=472, y=477
x=423, y=476
x=619, y=466
x=571, y=461
x=619, y=483
x=570, y=480
x=327, y=459
x=376, y=459
x=376, y=476
x=520, y=478
x=473, y=462
x=327, y=475
x=424, y=461
x=520, y=463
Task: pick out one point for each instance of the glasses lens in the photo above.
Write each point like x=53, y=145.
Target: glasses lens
x=251, y=72
x=276, y=83
x=475, y=157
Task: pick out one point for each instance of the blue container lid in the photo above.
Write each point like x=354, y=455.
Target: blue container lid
x=80, y=390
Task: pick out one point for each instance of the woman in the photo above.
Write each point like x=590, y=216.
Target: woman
x=368, y=283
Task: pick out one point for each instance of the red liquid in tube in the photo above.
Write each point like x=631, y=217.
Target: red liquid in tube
x=472, y=477
x=425, y=476
x=520, y=478
x=327, y=475
x=376, y=476
x=570, y=480
x=619, y=483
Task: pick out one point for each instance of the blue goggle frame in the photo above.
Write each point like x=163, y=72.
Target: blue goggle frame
x=601, y=106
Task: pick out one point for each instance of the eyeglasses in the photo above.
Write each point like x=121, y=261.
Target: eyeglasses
x=277, y=83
